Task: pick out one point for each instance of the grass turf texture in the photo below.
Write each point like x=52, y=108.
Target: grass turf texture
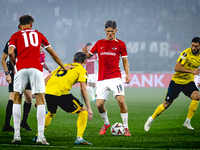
x=167, y=131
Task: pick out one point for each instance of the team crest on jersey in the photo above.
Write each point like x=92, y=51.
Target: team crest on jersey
x=185, y=54
x=114, y=48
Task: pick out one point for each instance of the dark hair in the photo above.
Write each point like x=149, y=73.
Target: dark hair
x=111, y=24
x=26, y=19
x=80, y=57
x=89, y=44
x=18, y=26
x=196, y=40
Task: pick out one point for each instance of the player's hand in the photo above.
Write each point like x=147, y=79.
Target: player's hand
x=85, y=50
x=196, y=71
x=49, y=71
x=127, y=80
x=90, y=114
x=8, y=78
x=68, y=67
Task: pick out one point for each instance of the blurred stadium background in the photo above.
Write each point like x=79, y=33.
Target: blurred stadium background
x=155, y=31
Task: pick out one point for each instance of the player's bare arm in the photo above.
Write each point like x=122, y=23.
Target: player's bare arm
x=86, y=99
x=126, y=69
x=180, y=68
x=47, y=78
x=85, y=50
x=57, y=58
x=5, y=68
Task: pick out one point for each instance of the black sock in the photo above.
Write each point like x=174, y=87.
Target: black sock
x=27, y=108
x=8, y=112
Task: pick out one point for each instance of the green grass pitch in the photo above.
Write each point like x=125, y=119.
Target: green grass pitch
x=167, y=131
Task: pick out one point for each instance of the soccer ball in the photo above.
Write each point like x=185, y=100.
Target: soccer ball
x=117, y=129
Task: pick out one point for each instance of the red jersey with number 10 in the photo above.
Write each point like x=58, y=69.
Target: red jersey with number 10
x=109, y=52
x=27, y=42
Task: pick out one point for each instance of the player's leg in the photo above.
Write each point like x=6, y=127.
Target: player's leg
x=116, y=85
x=7, y=126
x=172, y=93
x=81, y=125
x=38, y=88
x=27, y=107
x=191, y=91
x=102, y=95
x=20, y=81
x=52, y=106
x=72, y=105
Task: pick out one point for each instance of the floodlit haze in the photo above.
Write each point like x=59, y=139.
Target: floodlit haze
x=155, y=31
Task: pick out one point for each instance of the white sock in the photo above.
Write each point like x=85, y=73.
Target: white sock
x=91, y=92
x=105, y=118
x=16, y=118
x=187, y=120
x=125, y=119
x=41, y=120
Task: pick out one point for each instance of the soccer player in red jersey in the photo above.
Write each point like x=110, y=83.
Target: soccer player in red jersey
x=28, y=68
x=90, y=67
x=109, y=51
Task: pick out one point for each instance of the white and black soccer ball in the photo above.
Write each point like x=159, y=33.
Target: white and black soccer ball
x=117, y=129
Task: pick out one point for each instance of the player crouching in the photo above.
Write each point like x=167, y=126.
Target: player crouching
x=58, y=85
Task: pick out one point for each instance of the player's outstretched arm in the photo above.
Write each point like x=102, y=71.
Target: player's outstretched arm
x=57, y=59
x=86, y=99
x=126, y=69
x=180, y=68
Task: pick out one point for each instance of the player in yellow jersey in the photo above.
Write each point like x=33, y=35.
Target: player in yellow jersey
x=182, y=81
x=58, y=86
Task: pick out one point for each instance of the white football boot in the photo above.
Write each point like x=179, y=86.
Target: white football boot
x=42, y=141
x=188, y=125
x=16, y=139
x=148, y=124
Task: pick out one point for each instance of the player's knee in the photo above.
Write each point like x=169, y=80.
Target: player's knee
x=195, y=96
x=99, y=105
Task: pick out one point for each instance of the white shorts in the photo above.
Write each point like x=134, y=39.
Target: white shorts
x=23, y=76
x=91, y=78
x=104, y=87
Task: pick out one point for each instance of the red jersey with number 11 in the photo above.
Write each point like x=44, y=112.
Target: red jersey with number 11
x=27, y=42
x=109, y=52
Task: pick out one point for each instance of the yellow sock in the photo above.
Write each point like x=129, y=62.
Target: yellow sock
x=192, y=108
x=48, y=119
x=81, y=123
x=158, y=111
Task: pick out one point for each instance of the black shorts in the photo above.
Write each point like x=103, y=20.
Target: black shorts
x=175, y=89
x=68, y=103
x=11, y=85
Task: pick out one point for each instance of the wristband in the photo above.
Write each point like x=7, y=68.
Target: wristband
x=7, y=72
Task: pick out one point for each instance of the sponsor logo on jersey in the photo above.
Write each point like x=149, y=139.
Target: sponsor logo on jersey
x=101, y=47
x=107, y=53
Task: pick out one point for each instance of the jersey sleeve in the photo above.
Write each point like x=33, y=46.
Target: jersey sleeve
x=83, y=76
x=182, y=58
x=124, y=51
x=94, y=49
x=13, y=40
x=45, y=41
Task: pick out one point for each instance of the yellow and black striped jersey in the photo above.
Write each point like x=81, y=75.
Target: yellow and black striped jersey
x=62, y=81
x=189, y=61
